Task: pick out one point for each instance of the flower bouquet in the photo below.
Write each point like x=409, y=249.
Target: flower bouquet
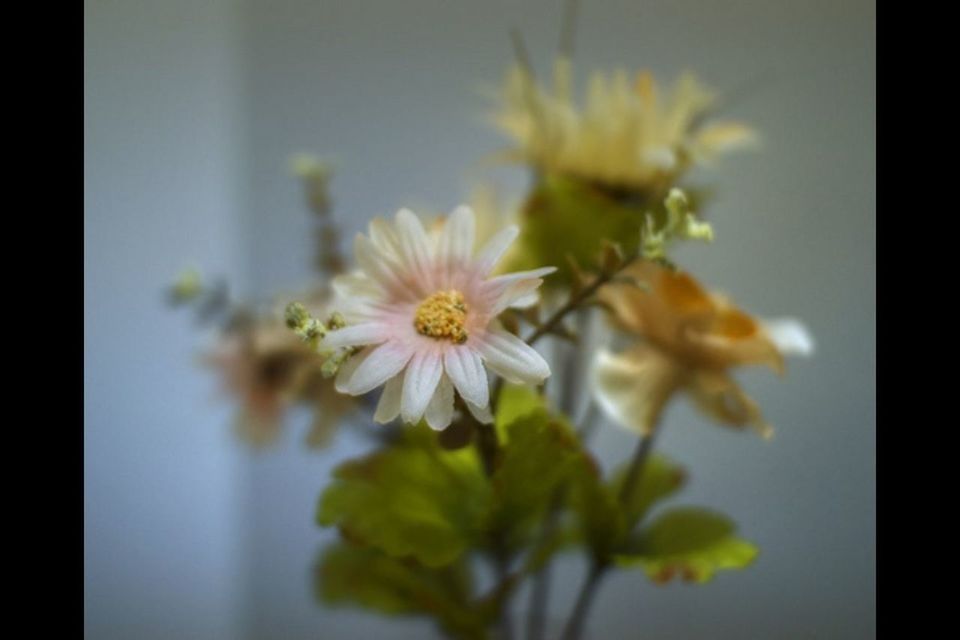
x=487, y=346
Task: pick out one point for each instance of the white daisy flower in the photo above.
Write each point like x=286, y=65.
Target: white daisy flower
x=424, y=308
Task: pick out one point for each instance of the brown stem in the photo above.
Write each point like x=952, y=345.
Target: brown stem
x=640, y=455
x=575, y=301
x=575, y=625
x=599, y=566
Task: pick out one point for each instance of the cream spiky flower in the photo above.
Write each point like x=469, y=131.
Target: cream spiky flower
x=424, y=308
x=626, y=137
x=689, y=340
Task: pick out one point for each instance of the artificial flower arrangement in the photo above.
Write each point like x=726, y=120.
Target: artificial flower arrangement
x=487, y=345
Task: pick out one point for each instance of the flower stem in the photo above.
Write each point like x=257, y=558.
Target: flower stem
x=640, y=455
x=575, y=625
x=599, y=566
x=576, y=301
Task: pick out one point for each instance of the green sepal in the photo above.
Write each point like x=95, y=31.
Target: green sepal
x=565, y=216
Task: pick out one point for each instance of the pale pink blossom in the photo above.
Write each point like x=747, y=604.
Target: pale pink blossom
x=424, y=309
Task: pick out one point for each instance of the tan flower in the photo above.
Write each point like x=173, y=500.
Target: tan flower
x=627, y=136
x=268, y=369
x=689, y=340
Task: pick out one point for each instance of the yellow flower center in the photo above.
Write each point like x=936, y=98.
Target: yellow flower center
x=442, y=316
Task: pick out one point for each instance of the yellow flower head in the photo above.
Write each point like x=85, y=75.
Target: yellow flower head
x=689, y=340
x=627, y=136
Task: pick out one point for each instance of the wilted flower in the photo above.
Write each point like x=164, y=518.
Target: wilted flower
x=690, y=339
x=268, y=369
x=626, y=137
x=425, y=309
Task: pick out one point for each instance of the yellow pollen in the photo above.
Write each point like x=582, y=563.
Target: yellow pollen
x=442, y=316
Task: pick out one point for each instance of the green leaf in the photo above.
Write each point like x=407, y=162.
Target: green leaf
x=600, y=521
x=659, y=479
x=410, y=499
x=689, y=542
x=347, y=574
x=514, y=402
x=542, y=455
x=565, y=216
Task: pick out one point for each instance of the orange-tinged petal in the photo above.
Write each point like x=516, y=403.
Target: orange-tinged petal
x=720, y=397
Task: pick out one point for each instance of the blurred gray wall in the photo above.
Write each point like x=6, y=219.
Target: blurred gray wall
x=162, y=479
x=390, y=90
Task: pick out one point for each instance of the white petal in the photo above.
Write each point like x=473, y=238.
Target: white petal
x=456, y=239
x=525, y=301
x=415, y=246
x=388, y=408
x=491, y=252
x=465, y=369
x=383, y=363
x=512, y=358
x=633, y=387
x=791, y=336
x=375, y=264
x=356, y=335
x=482, y=414
x=384, y=236
x=356, y=284
x=419, y=383
x=504, y=291
x=439, y=412
x=348, y=368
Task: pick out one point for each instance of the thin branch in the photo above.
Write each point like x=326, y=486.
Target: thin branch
x=576, y=301
x=599, y=566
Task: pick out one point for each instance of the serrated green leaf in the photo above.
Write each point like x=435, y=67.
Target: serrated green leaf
x=347, y=574
x=689, y=542
x=410, y=499
x=659, y=479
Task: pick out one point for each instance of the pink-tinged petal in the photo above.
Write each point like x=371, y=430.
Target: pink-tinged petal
x=512, y=358
x=525, y=301
x=482, y=414
x=383, y=363
x=353, y=285
x=356, y=335
x=439, y=413
x=376, y=265
x=491, y=252
x=504, y=291
x=348, y=368
x=388, y=408
x=419, y=383
x=465, y=369
x=455, y=245
x=384, y=236
x=416, y=247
